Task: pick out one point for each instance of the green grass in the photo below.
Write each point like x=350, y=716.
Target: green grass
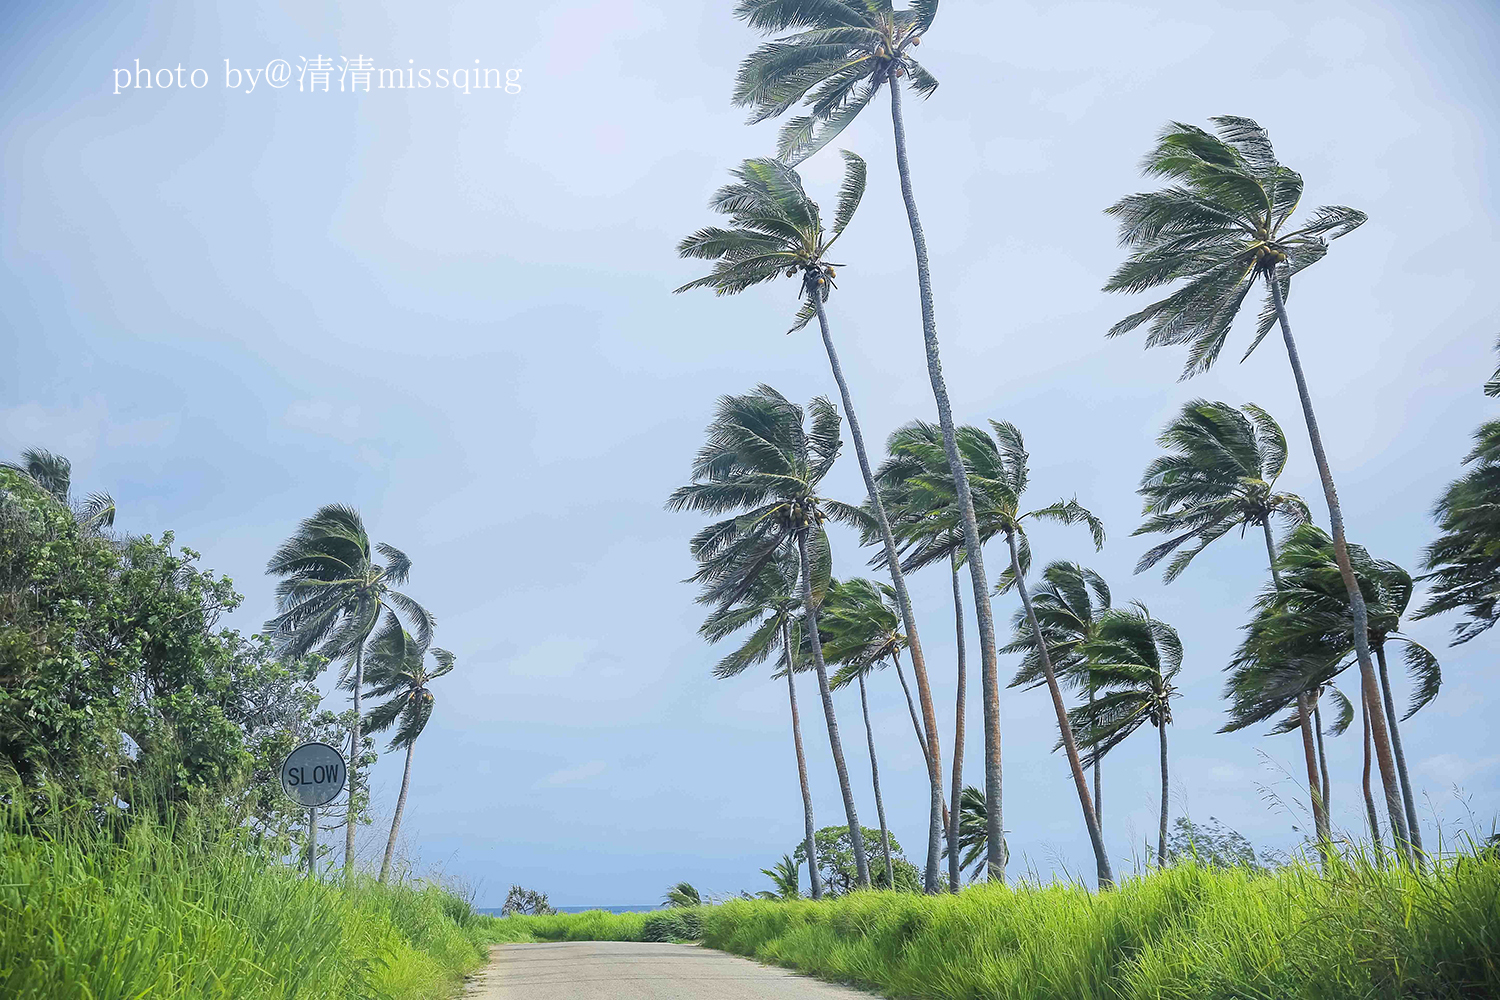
x=155, y=916
x=1186, y=932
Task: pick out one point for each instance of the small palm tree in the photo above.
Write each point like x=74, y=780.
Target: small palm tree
x=397, y=669
x=1068, y=603
x=682, y=894
x=1220, y=473
x=330, y=598
x=1133, y=659
x=763, y=467
x=1464, y=563
x=835, y=60
x=53, y=474
x=785, y=875
x=1224, y=225
x=776, y=229
x=772, y=607
x=972, y=844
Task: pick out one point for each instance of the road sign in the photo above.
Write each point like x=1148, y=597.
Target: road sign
x=313, y=774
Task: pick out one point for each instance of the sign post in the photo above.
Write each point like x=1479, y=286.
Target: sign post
x=313, y=775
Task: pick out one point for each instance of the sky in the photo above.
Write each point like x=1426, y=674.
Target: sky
x=453, y=312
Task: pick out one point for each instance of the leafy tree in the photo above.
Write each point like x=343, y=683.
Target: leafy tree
x=762, y=466
x=329, y=599
x=772, y=607
x=776, y=228
x=1212, y=843
x=840, y=870
x=835, y=60
x=1464, y=563
x=1222, y=226
x=527, y=901
x=785, y=876
x=1068, y=603
x=1132, y=659
x=53, y=475
x=1219, y=474
x=398, y=670
x=682, y=894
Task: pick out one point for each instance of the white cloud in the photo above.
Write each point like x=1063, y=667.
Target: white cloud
x=1451, y=769
x=573, y=775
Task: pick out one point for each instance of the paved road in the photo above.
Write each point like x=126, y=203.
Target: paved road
x=617, y=970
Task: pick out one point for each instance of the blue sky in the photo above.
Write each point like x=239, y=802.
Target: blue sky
x=453, y=312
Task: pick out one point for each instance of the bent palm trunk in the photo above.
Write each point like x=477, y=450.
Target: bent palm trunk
x=1407, y=798
x=885, y=833
x=1161, y=836
x=807, y=805
x=903, y=603
x=1090, y=818
x=1322, y=757
x=958, y=734
x=1370, y=813
x=390, y=843
x=973, y=547
x=1378, y=729
x=856, y=836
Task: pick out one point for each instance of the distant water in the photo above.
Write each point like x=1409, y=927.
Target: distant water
x=635, y=908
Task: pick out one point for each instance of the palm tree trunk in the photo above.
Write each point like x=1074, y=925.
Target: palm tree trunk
x=1322, y=756
x=856, y=835
x=1378, y=729
x=1098, y=789
x=1407, y=798
x=1090, y=818
x=956, y=798
x=1309, y=751
x=903, y=603
x=885, y=833
x=1370, y=813
x=1161, y=835
x=973, y=548
x=390, y=843
x=352, y=819
x=911, y=706
x=807, y=806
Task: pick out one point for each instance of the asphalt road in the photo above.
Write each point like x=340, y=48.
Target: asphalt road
x=618, y=970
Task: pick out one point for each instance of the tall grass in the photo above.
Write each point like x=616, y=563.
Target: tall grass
x=180, y=915
x=1189, y=931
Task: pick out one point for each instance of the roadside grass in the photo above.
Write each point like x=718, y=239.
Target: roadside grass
x=174, y=915
x=1189, y=931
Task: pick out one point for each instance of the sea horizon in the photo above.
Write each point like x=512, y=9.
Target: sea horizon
x=625, y=908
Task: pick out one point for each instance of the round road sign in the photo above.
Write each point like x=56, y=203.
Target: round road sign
x=313, y=774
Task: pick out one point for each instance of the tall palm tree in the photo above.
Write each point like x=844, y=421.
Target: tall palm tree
x=776, y=229
x=1463, y=564
x=835, y=61
x=1224, y=225
x=1219, y=474
x=762, y=466
x=1303, y=634
x=1068, y=604
x=1133, y=659
x=997, y=468
x=772, y=606
x=330, y=597
x=397, y=669
x=53, y=474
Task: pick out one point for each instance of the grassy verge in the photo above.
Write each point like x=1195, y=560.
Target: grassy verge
x=1187, y=932
x=150, y=915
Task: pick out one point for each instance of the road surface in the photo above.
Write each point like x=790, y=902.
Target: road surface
x=620, y=970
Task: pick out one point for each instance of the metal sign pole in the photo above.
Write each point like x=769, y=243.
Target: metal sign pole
x=312, y=840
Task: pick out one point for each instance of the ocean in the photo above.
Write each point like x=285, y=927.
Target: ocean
x=633, y=908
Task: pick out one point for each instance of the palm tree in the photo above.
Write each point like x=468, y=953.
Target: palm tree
x=785, y=875
x=1223, y=226
x=1303, y=633
x=776, y=229
x=397, y=668
x=1068, y=604
x=1219, y=474
x=772, y=607
x=999, y=475
x=329, y=599
x=974, y=832
x=53, y=474
x=1132, y=658
x=837, y=59
x=682, y=894
x=1464, y=563
x=763, y=467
